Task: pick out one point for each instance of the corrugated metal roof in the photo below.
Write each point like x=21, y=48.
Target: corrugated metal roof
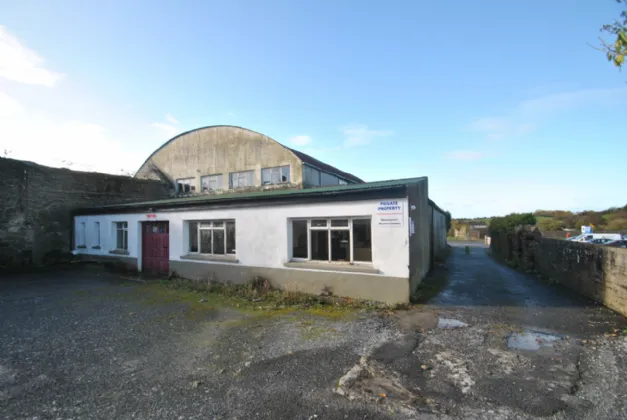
x=249, y=196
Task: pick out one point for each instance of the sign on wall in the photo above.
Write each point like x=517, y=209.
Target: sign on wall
x=390, y=213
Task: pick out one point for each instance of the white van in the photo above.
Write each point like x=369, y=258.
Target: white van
x=588, y=237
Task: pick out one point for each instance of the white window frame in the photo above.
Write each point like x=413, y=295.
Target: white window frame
x=218, y=177
x=280, y=173
x=330, y=228
x=96, y=242
x=81, y=240
x=121, y=226
x=191, y=182
x=209, y=225
x=250, y=174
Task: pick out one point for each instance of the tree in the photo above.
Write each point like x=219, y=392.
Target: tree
x=616, y=51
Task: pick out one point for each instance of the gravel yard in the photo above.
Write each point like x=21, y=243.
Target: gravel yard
x=492, y=343
x=90, y=345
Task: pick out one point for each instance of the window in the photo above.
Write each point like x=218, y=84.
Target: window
x=343, y=182
x=332, y=240
x=328, y=179
x=96, y=243
x=241, y=179
x=212, y=237
x=121, y=236
x=211, y=183
x=81, y=240
x=312, y=176
x=185, y=185
x=277, y=175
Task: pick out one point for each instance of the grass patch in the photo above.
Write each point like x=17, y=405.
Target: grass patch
x=256, y=296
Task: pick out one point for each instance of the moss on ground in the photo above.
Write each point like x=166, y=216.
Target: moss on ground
x=200, y=299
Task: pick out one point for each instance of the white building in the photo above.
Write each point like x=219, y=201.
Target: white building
x=371, y=240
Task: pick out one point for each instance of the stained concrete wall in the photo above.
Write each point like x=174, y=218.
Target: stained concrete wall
x=355, y=285
x=595, y=271
x=36, y=204
x=219, y=150
x=420, y=215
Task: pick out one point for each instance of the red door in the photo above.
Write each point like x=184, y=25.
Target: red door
x=156, y=248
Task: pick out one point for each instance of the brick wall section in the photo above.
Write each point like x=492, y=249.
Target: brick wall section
x=36, y=205
x=597, y=272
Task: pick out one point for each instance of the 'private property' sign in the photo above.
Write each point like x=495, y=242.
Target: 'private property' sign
x=390, y=213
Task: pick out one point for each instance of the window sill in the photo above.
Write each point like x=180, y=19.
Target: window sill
x=119, y=252
x=81, y=247
x=217, y=258
x=349, y=268
x=96, y=247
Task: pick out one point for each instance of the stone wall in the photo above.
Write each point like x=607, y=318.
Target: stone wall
x=595, y=271
x=36, y=204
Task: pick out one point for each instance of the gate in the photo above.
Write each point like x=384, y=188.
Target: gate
x=156, y=247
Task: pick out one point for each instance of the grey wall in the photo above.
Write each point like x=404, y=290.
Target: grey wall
x=219, y=150
x=355, y=285
x=595, y=271
x=439, y=233
x=36, y=203
x=420, y=241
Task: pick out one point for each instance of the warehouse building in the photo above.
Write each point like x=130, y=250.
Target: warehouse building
x=373, y=240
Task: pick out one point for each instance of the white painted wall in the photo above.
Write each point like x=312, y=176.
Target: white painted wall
x=263, y=237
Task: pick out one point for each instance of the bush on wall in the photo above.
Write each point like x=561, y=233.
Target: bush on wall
x=507, y=224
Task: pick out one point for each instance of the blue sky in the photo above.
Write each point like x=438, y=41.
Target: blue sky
x=503, y=105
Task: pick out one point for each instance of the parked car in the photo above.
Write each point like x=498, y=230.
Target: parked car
x=603, y=241
x=589, y=237
x=617, y=244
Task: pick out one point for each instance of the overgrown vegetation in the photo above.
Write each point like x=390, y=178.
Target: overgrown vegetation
x=612, y=219
x=507, y=224
x=258, y=294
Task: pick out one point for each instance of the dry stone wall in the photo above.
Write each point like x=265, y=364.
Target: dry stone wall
x=595, y=271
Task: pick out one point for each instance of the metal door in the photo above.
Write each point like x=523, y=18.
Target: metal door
x=156, y=248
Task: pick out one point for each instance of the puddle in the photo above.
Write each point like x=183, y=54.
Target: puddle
x=450, y=323
x=530, y=340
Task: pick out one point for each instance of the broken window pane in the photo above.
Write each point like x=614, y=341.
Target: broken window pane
x=193, y=236
x=299, y=239
x=362, y=241
x=230, y=237
x=205, y=241
x=218, y=241
x=320, y=245
x=340, y=240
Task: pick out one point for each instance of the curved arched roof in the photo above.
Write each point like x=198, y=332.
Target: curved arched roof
x=305, y=158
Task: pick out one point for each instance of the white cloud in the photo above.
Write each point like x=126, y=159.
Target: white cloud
x=49, y=141
x=530, y=113
x=171, y=119
x=464, y=155
x=21, y=64
x=300, y=140
x=361, y=134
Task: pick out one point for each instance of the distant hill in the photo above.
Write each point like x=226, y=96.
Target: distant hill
x=612, y=219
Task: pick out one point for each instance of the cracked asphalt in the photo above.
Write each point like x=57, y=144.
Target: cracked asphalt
x=494, y=343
